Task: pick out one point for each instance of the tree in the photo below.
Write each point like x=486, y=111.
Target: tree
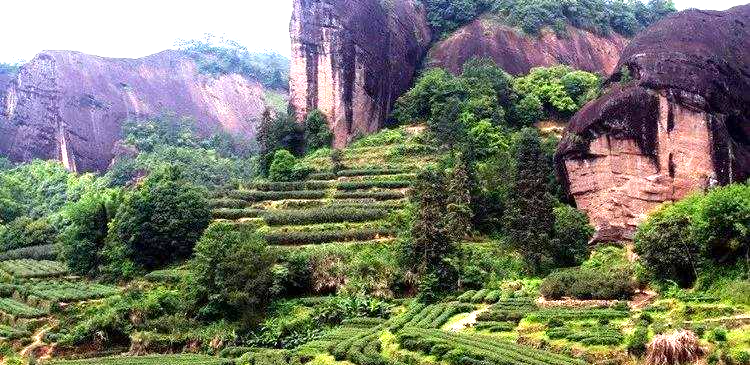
x=232, y=269
x=529, y=220
x=572, y=233
x=317, y=132
x=458, y=209
x=84, y=238
x=277, y=132
x=283, y=166
x=156, y=224
x=430, y=242
x=666, y=243
x=447, y=126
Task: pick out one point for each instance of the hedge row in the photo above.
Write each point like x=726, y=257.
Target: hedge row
x=43, y=252
x=312, y=238
x=292, y=186
x=370, y=172
x=494, y=326
x=256, y=196
x=382, y=184
x=230, y=213
x=322, y=215
x=364, y=349
x=605, y=336
x=227, y=203
x=568, y=314
x=463, y=349
x=362, y=322
x=377, y=195
x=436, y=315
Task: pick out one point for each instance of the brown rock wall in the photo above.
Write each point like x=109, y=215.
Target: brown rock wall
x=69, y=106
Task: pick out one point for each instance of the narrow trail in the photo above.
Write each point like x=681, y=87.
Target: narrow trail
x=36, y=343
x=468, y=320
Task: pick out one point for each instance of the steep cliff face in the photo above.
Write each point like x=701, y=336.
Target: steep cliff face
x=70, y=106
x=352, y=58
x=681, y=124
x=517, y=53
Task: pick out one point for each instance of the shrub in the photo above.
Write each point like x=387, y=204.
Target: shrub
x=682, y=347
x=572, y=233
x=283, y=166
x=43, y=252
x=257, y=196
x=227, y=203
x=232, y=271
x=310, y=238
x=293, y=185
x=588, y=284
x=26, y=232
x=226, y=213
x=322, y=215
x=377, y=195
x=666, y=244
x=637, y=341
x=156, y=224
x=356, y=185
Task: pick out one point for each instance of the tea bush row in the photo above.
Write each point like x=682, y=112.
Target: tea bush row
x=311, y=238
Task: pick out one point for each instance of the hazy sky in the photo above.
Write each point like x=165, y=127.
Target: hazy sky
x=136, y=28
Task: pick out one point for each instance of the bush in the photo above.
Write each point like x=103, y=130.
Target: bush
x=588, y=284
x=156, y=224
x=232, y=271
x=355, y=185
x=322, y=215
x=637, y=341
x=257, y=196
x=317, y=132
x=226, y=213
x=283, y=166
x=377, y=195
x=26, y=232
x=572, y=233
x=311, y=238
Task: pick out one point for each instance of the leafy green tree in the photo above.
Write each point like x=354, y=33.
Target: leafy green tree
x=233, y=274
x=448, y=127
x=85, y=236
x=283, y=166
x=446, y=16
x=317, y=132
x=572, y=233
x=722, y=224
x=666, y=243
x=278, y=132
x=529, y=220
x=458, y=209
x=559, y=88
x=156, y=224
x=166, y=129
x=529, y=110
x=430, y=243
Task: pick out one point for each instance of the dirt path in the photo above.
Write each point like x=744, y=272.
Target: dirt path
x=36, y=343
x=468, y=320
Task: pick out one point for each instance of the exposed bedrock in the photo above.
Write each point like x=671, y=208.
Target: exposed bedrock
x=682, y=124
x=70, y=106
x=352, y=58
x=517, y=53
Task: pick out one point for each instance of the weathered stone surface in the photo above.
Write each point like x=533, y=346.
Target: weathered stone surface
x=352, y=58
x=517, y=53
x=682, y=124
x=70, y=106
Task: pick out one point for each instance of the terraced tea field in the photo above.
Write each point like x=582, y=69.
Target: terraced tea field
x=148, y=360
x=351, y=203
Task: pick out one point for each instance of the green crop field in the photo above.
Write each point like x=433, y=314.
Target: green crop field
x=148, y=360
x=26, y=268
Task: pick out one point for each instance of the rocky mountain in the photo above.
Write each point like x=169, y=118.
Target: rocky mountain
x=70, y=106
x=677, y=121
x=352, y=59
x=517, y=53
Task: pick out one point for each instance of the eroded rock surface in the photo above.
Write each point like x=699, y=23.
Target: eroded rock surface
x=517, y=53
x=70, y=106
x=681, y=124
x=352, y=58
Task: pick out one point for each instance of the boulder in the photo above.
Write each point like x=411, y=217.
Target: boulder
x=675, y=119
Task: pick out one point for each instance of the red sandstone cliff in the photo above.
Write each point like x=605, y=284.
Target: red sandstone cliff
x=69, y=105
x=517, y=52
x=682, y=124
x=352, y=58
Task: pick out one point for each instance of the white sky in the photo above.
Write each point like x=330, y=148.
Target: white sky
x=136, y=28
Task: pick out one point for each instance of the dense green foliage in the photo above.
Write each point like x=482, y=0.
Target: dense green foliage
x=156, y=224
x=220, y=56
x=233, y=273
x=684, y=240
x=600, y=16
x=465, y=108
x=317, y=132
